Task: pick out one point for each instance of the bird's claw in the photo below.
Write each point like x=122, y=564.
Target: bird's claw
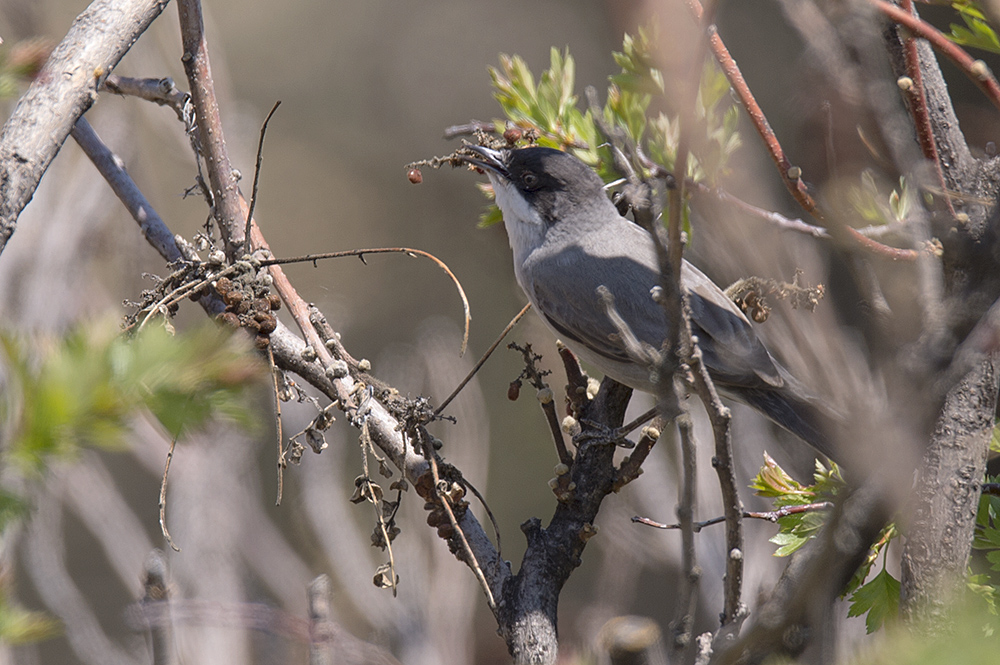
x=595, y=432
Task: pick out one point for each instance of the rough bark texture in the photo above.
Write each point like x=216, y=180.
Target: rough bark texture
x=527, y=610
x=64, y=89
x=947, y=494
x=942, y=518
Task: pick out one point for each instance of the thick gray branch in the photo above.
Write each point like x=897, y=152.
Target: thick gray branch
x=64, y=89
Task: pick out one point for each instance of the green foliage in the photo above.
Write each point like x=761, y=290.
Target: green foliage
x=550, y=107
x=879, y=598
x=986, y=585
x=875, y=206
x=82, y=389
x=796, y=529
x=874, y=598
x=976, y=32
x=21, y=626
x=980, y=586
x=958, y=637
x=995, y=440
x=549, y=110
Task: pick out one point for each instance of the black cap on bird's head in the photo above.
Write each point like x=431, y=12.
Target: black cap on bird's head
x=549, y=180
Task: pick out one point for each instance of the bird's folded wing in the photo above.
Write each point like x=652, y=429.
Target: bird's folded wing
x=564, y=289
x=731, y=349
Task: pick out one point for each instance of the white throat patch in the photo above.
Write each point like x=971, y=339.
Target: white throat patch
x=525, y=229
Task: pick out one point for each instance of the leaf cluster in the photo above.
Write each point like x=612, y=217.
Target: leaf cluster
x=81, y=390
x=976, y=32
x=62, y=394
x=876, y=207
x=548, y=110
x=878, y=599
x=986, y=584
x=797, y=529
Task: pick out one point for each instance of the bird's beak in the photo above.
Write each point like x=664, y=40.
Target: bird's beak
x=488, y=159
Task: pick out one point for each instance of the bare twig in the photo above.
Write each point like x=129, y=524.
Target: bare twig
x=160, y=91
x=110, y=166
x=918, y=105
x=360, y=253
x=768, y=515
x=163, y=497
x=975, y=70
x=687, y=595
x=368, y=491
x=61, y=92
x=256, y=177
x=468, y=129
x=279, y=436
x=221, y=175
x=733, y=507
x=795, y=185
x=546, y=399
x=699, y=190
x=631, y=465
x=482, y=361
x=445, y=501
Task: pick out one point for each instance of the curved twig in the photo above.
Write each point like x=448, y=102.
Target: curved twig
x=163, y=496
x=360, y=253
x=482, y=361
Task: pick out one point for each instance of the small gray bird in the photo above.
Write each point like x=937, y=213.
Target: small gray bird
x=568, y=239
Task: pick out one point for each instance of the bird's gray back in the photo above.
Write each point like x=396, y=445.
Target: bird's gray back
x=561, y=278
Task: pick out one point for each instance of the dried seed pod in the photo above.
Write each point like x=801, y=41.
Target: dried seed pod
x=512, y=135
x=232, y=297
x=268, y=325
x=514, y=390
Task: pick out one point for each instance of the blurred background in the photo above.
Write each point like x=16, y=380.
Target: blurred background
x=365, y=89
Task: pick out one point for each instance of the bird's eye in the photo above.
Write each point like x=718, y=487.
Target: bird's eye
x=530, y=180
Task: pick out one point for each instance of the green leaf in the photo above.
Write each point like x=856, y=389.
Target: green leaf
x=773, y=481
x=83, y=389
x=796, y=530
x=879, y=598
x=977, y=32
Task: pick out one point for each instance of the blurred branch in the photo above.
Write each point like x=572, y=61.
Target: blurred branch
x=790, y=175
x=157, y=590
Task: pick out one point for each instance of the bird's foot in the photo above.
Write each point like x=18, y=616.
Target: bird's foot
x=594, y=432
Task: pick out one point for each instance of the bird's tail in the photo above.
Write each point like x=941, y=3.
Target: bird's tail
x=802, y=416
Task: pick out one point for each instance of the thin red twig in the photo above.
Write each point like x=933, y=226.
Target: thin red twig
x=918, y=104
x=975, y=69
x=796, y=187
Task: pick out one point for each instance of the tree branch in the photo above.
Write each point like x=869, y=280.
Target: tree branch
x=61, y=93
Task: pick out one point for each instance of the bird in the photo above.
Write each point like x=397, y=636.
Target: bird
x=568, y=239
